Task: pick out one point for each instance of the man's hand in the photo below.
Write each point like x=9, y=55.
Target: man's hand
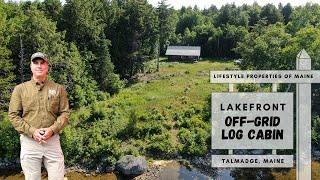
x=47, y=133
x=37, y=135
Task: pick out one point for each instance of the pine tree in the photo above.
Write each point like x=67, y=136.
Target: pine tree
x=84, y=25
x=6, y=65
x=81, y=86
x=167, y=24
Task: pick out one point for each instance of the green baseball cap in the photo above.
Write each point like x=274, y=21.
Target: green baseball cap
x=39, y=55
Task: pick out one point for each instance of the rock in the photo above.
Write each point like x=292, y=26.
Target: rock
x=130, y=165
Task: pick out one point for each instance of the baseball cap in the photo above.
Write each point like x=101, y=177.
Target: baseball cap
x=39, y=55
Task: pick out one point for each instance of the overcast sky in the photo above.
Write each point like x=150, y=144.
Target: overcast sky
x=177, y=4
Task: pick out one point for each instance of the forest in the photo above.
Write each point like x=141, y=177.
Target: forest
x=97, y=48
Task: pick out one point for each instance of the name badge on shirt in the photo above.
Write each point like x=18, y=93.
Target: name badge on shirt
x=51, y=92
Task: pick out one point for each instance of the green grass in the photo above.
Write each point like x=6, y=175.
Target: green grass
x=175, y=87
x=163, y=114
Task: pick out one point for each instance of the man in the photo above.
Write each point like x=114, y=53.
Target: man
x=38, y=110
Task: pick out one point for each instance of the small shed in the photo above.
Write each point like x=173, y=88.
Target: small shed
x=183, y=52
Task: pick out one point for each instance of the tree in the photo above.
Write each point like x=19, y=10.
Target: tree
x=188, y=37
x=307, y=38
x=133, y=37
x=39, y=34
x=81, y=87
x=202, y=35
x=189, y=19
x=263, y=48
x=211, y=11
x=83, y=22
x=271, y=14
x=304, y=16
x=231, y=14
x=34, y=31
x=227, y=14
x=52, y=9
x=167, y=24
x=286, y=12
x=254, y=14
x=233, y=34
x=6, y=65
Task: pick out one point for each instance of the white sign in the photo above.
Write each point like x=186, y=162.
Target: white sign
x=294, y=76
x=252, y=161
x=252, y=120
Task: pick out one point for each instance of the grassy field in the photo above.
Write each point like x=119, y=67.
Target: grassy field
x=175, y=87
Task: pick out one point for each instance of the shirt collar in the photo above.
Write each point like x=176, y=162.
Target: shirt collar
x=37, y=84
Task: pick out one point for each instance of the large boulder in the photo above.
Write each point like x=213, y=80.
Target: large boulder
x=132, y=166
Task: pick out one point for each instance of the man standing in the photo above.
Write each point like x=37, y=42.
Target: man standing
x=38, y=110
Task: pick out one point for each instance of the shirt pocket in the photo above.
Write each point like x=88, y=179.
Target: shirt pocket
x=53, y=105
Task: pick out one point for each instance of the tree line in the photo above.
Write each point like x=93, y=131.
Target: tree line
x=95, y=46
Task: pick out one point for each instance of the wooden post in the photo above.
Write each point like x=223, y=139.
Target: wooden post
x=303, y=117
x=158, y=54
x=231, y=88
x=274, y=89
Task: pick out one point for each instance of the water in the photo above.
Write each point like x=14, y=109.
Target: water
x=176, y=171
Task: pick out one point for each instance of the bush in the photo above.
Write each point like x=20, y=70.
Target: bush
x=72, y=140
x=91, y=138
x=134, y=147
x=98, y=112
x=194, y=142
x=90, y=148
x=100, y=151
x=160, y=145
x=193, y=122
x=9, y=140
x=247, y=87
x=80, y=116
x=147, y=129
x=315, y=130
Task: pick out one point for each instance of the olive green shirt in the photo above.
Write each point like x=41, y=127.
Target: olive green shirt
x=38, y=105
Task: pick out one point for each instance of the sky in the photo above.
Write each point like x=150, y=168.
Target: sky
x=177, y=4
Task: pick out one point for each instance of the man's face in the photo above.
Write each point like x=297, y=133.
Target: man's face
x=39, y=68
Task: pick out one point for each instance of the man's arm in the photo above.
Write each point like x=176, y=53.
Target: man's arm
x=64, y=112
x=15, y=111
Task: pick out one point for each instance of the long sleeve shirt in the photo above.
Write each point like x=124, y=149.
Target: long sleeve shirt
x=38, y=105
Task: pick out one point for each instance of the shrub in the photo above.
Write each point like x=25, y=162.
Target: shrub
x=72, y=145
x=194, y=142
x=9, y=140
x=134, y=147
x=90, y=148
x=147, y=129
x=80, y=116
x=315, y=130
x=193, y=122
x=98, y=112
x=247, y=87
x=160, y=145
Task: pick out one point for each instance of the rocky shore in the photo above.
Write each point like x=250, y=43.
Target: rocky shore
x=154, y=169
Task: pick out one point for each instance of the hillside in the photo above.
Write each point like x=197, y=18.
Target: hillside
x=163, y=114
x=175, y=87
